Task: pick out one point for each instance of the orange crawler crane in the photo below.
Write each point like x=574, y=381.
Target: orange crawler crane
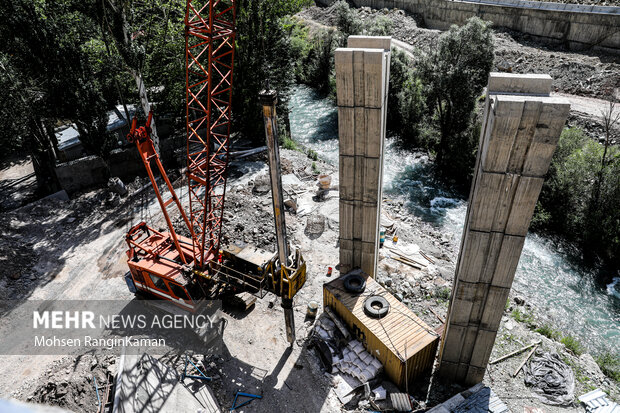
x=189, y=270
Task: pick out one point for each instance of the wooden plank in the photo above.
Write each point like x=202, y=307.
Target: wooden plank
x=524, y=361
x=522, y=349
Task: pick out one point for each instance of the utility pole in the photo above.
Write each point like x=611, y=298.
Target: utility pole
x=268, y=99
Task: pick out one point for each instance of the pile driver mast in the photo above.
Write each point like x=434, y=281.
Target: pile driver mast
x=188, y=270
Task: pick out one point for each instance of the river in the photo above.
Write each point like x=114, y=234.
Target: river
x=550, y=276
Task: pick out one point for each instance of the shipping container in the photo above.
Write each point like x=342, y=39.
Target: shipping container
x=400, y=340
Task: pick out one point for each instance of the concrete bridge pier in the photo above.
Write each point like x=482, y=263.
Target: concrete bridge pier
x=362, y=79
x=521, y=127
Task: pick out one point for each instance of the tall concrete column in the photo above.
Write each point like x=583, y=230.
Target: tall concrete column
x=362, y=79
x=521, y=128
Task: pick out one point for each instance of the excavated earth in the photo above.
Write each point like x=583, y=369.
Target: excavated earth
x=583, y=74
x=75, y=250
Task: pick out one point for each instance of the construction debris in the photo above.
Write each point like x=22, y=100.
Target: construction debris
x=514, y=353
x=597, y=402
x=524, y=361
x=251, y=398
x=551, y=380
x=478, y=398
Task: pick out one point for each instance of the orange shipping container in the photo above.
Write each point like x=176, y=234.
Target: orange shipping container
x=400, y=340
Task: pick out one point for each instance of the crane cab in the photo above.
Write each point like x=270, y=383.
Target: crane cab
x=155, y=267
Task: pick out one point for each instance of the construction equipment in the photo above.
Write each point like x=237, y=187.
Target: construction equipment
x=187, y=270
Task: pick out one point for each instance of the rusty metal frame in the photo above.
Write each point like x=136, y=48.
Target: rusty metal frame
x=209, y=59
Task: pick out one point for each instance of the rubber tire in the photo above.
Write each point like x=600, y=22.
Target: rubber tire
x=373, y=312
x=354, y=283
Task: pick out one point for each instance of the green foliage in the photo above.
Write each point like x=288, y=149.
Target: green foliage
x=288, y=143
x=381, y=26
x=610, y=365
x=346, y=19
x=47, y=46
x=568, y=205
x=12, y=108
x=263, y=53
x=405, y=101
x=315, y=169
x=572, y=344
x=454, y=74
x=443, y=293
x=523, y=317
x=313, y=155
x=314, y=58
x=548, y=331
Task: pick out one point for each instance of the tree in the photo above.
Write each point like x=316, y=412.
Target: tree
x=44, y=60
x=130, y=26
x=405, y=108
x=568, y=204
x=454, y=74
x=347, y=21
x=263, y=54
x=597, y=210
x=313, y=57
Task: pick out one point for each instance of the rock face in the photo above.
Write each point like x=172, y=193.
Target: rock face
x=591, y=368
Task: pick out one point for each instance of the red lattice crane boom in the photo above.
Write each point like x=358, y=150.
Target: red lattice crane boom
x=185, y=270
x=209, y=57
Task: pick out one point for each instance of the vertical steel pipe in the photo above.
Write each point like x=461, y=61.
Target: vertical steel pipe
x=268, y=99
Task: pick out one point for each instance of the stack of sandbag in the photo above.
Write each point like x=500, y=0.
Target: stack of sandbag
x=324, y=328
x=357, y=362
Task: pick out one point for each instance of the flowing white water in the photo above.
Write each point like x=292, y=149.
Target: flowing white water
x=549, y=275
